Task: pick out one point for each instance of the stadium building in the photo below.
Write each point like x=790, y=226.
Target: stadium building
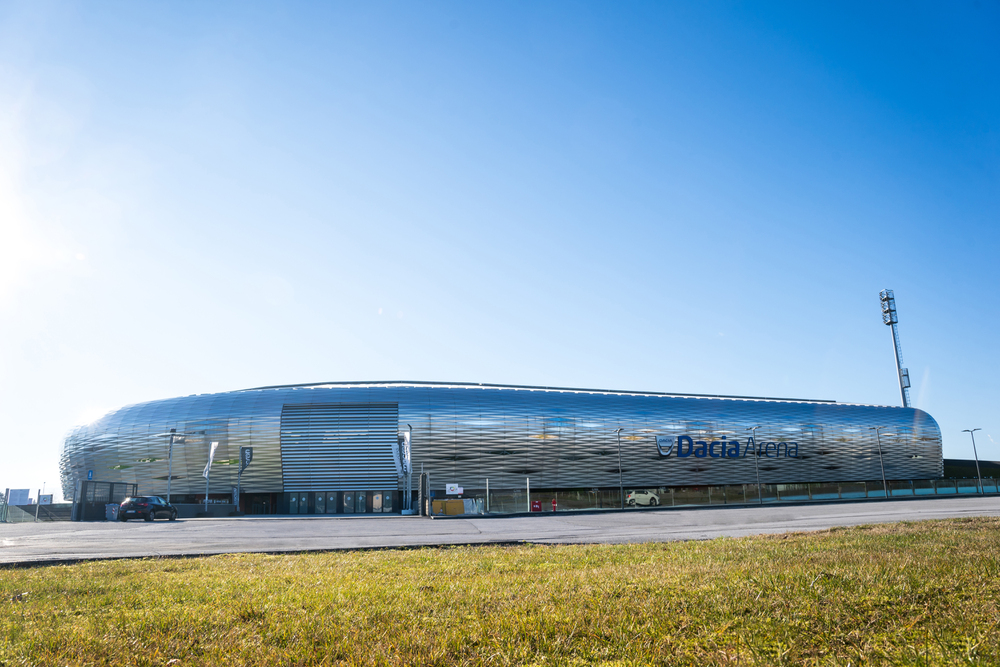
x=362, y=446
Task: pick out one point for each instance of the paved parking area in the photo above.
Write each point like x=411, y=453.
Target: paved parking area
x=64, y=541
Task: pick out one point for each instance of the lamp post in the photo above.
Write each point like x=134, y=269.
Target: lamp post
x=979, y=476
x=881, y=461
x=756, y=463
x=409, y=473
x=621, y=485
x=179, y=438
x=170, y=462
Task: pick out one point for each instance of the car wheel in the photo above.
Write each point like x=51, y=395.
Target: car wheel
x=173, y=516
x=653, y=502
x=150, y=516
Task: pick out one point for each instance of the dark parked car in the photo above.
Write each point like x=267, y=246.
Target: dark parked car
x=148, y=508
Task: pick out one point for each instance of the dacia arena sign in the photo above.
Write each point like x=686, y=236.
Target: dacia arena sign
x=724, y=449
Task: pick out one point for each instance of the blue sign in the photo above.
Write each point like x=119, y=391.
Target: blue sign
x=721, y=449
x=90, y=475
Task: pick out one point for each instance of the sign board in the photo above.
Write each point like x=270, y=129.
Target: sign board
x=45, y=499
x=90, y=475
x=453, y=489
x=18, y=497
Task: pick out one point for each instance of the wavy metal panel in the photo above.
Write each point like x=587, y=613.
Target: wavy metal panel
x=338, y=446
x=464, y=434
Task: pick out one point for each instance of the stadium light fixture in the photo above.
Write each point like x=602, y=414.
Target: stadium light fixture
x=891, y=319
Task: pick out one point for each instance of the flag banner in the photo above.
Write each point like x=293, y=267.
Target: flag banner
x=246, y=456
x=211, y=457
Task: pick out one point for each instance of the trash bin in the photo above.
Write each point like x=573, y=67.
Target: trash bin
x=111, y=511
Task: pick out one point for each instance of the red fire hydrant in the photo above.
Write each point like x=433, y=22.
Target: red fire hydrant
x=553, y=504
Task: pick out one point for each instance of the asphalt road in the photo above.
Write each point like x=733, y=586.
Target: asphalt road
x=65, y=541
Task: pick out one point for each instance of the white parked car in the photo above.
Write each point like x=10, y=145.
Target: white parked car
x=642, y=497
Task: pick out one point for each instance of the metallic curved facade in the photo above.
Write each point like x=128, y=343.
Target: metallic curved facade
x=341, y=436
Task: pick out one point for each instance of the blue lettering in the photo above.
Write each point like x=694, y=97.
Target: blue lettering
x=717, y=449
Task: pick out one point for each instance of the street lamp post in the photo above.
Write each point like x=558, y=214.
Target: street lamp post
x=170, y=462
x=408, y=505
x=979, y=476
x=756, y=463
x=881, y=461
x=621, y=484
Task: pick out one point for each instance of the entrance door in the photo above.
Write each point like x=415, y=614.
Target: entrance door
x=293, y=503
x=303, y=503
x=387, y=501
x=348, y=502
x=331, y=502
x=362, y=501
x=377, y=502
x=320, y=503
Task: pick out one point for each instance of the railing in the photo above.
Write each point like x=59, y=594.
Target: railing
x=28, y=513
x=509, y=501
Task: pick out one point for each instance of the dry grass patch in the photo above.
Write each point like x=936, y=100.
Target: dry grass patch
x=911, y=593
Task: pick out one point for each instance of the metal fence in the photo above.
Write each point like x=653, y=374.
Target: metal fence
x=91, y=497
x=509, y=501
x=32, y=513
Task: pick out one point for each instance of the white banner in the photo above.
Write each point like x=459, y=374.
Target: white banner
x=211, y=457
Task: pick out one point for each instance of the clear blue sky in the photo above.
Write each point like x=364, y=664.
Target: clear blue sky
x=689, y=197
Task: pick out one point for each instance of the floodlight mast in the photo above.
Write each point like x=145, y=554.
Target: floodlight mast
x=889, y=318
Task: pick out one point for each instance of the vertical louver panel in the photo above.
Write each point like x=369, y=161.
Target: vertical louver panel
x=338, y=446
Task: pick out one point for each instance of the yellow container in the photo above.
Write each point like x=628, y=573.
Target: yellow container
x=449, y=507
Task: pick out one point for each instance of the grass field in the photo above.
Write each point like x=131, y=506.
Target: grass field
x=919, y=593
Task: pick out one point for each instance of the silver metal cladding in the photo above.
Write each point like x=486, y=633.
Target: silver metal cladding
x=341, y=436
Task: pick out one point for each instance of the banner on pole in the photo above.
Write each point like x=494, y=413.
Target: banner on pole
x=211, y=457
x=246, y=456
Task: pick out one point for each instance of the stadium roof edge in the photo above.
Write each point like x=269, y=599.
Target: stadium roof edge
x=578, y=390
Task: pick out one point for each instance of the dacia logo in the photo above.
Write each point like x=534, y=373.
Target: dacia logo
x=724, y=449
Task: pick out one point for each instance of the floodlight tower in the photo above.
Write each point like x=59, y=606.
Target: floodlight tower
x=890, y=318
